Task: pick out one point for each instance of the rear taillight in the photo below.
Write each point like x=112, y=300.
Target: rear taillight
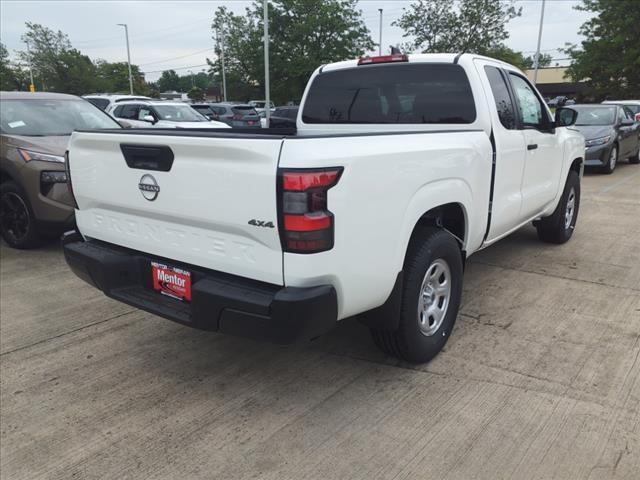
x=306, y=224
x=637, y=117
x=66, y=168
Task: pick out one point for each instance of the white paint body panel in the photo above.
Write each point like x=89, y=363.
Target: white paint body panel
x=216, y=185
x=389, y=181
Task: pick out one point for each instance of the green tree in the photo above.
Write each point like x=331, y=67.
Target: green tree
x=169, y=81
x=56, y=64
x=608, y=60
x=303, y=34
x=477, y=26
x=196, y=94
x=543, y=61
x=504, y=53
x=113, y=77
x=11, y=76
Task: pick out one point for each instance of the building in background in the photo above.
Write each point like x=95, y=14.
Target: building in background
x=552, y=83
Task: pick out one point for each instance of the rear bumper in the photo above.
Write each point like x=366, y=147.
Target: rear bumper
x=220, y=302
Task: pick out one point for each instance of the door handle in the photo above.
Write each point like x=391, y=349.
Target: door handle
x=532, y=146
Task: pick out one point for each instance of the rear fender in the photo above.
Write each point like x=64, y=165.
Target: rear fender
x=428, y=197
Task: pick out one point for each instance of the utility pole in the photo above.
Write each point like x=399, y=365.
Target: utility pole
x=380, y=44
x=267, y=98
x=126, y=33
x=32, y=87
x=192, y=82
x=224, y=80
x=537, y=59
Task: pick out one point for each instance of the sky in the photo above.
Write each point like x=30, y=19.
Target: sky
x=177, y=34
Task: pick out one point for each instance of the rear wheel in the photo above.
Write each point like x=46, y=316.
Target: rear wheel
x=559, y=226
x=17, y=223
x=431, y=293
x=610, y=166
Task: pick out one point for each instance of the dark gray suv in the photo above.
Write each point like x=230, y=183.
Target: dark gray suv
x=234, y=115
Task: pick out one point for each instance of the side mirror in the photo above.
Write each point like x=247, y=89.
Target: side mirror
x=627, y=122
x=149, y=118
x=565, y=117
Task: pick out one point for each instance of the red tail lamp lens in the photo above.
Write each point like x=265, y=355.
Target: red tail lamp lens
x=306, y=224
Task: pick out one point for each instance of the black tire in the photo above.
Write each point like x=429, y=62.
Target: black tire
x=635, y=159
x=612, y=161
x=17, y=223
x=558, y=227
x=410, y=342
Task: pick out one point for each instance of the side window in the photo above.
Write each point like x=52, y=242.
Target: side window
x=129, y=112
x=622, y=115
x=501, y=95
x=117, y=112
x=532, y=113
x=144, y=111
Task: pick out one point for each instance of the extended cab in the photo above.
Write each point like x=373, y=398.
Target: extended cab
x=400, y=167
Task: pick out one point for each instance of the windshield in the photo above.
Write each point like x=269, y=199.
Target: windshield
x=42, y=117
x=595, y=115
x=178, y=113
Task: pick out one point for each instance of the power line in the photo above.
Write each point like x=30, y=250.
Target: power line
x=177, y=58
x=176, y=68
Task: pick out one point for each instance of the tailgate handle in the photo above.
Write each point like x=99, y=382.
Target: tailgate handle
x=148, y=157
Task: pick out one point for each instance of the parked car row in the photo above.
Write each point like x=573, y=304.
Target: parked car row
x=132, y=111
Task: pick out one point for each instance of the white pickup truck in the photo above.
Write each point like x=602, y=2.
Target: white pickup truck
x=399, y=168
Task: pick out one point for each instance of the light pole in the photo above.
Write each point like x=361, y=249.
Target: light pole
x=126, y=33
x=32, y=87
x=224, y=79
x=267, y=99
x=380, y=45
x=537, y=59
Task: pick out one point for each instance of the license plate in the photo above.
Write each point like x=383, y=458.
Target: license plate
x=171, y=281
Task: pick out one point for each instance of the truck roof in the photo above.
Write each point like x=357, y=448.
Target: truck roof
x=417, y=58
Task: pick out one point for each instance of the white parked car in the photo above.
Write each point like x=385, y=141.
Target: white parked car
x=260, y=105
x=161, y=114
x=402, y=167
x=106, y=102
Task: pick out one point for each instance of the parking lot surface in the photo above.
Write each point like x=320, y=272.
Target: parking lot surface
x=540, y=379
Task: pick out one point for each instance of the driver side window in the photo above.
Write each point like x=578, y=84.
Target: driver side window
x=531, y=110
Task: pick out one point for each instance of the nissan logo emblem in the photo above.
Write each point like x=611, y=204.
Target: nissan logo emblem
x=149, y=187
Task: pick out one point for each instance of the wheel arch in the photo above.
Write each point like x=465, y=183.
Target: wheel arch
x=443, y=204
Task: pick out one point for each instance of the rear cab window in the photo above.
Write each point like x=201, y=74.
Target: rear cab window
x=411, y=93
x=501, y=97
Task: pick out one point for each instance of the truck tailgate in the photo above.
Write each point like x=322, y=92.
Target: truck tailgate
x=197, y=212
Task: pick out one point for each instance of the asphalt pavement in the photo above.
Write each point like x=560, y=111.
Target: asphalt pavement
x=540, y=379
